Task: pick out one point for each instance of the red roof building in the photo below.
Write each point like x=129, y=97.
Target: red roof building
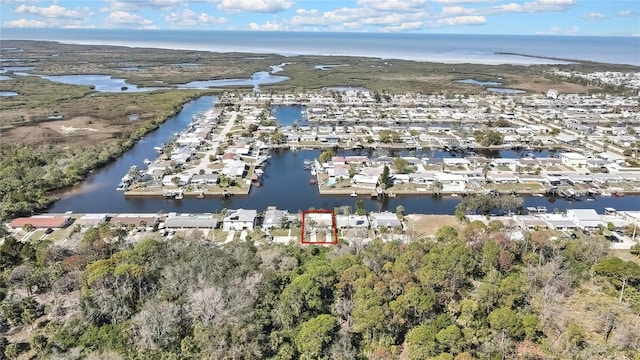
x=42, y=221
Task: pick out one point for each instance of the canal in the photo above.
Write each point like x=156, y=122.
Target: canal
x=286, y=183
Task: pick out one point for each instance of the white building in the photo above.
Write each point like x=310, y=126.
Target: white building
x=239, y=219
x=573, y=159
x=585, y=219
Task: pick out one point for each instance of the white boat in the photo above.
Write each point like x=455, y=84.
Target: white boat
x=454, y=195
x=353, y=194
x=147, y=161
x=605, y=193
x=538, y=195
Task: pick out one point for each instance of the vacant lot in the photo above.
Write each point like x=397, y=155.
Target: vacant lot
x=426, y=225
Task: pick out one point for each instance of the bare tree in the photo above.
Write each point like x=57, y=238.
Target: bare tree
x=159, y=325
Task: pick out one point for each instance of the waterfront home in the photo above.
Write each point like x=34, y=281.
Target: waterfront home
x=502, y=177
x=352, y=221
x=234, y=168
x=585, y=219
x=148, y=220
x=338, y=172
x=42, y=221
x=573, y=159
x=204, y=179
x=240, y=219
x=384, y=219
x=558, y=221
x=190, y=221
x=88, y=220
x=159, y=165
x=176, y=180
x=274, y=218
x=451, y=182
x=365, y=181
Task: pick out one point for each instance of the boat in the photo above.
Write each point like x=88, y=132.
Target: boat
x=619, y=193
x=353, y=194
x=454, y=195
x=147, y=161
x=313, y=181
x=201, y=195
x=538, y=195
x=391, y=195
x=179, y=196
x=605, y=193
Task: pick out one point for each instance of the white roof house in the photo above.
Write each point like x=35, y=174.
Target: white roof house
x=239, y=219
x=273, y=218
x=365, y=181
x=183, y=179
x=352, y=221
x=585, y=218
x=384, y=219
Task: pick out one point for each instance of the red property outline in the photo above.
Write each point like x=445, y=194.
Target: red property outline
x=333, y=220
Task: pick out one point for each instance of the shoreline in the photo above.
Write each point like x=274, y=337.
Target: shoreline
x=456, y=56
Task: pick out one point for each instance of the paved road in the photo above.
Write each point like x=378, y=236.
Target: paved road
x=204, y=162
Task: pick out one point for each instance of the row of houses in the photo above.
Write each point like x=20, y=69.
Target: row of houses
x=233, y=220
x=572, y=219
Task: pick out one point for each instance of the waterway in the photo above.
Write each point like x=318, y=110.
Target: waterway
x=286, y=185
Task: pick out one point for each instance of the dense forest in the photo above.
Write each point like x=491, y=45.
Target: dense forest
x=475, y=294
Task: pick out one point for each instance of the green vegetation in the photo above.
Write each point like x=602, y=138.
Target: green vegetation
x=473, y=294
x=489, y=137
x=29, y=173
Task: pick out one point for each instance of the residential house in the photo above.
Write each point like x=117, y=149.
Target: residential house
x=451, y=182
x=352, y=221
x=204, y=179
x=176, y=179
x=365, y=181
x=274, y=218
x=240, y=219
x=585, y=219
x=385, y=219
x=573, y=159
x=190, y=221
x=42, y=221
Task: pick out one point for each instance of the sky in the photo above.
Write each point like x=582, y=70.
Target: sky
x=530, y=17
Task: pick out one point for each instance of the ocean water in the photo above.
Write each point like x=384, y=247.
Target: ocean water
x=447, y=48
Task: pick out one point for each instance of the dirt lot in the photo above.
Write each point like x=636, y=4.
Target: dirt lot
x=426, y=225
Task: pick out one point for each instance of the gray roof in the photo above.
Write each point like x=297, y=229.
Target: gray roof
x=274, y=216
x=241, y=215
x=385, y=219
x=191, y=221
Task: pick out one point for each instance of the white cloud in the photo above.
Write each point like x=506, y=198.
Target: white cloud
x=408, y=26
x=557, y=30
x=335, y=17
x=268, y=26
x=136, y=5
x=462, y=1
x=393, y=5
x=53, y=11
x=24, y=23
x=261, y=6
x=457, y=10
x=190, y=18
x=534, y=6
x=628, y=13
x=124, y=19
x=392, y=19
x=593, y=16
x=461, y=20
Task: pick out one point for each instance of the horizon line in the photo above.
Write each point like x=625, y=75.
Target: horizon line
x=314, y=32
